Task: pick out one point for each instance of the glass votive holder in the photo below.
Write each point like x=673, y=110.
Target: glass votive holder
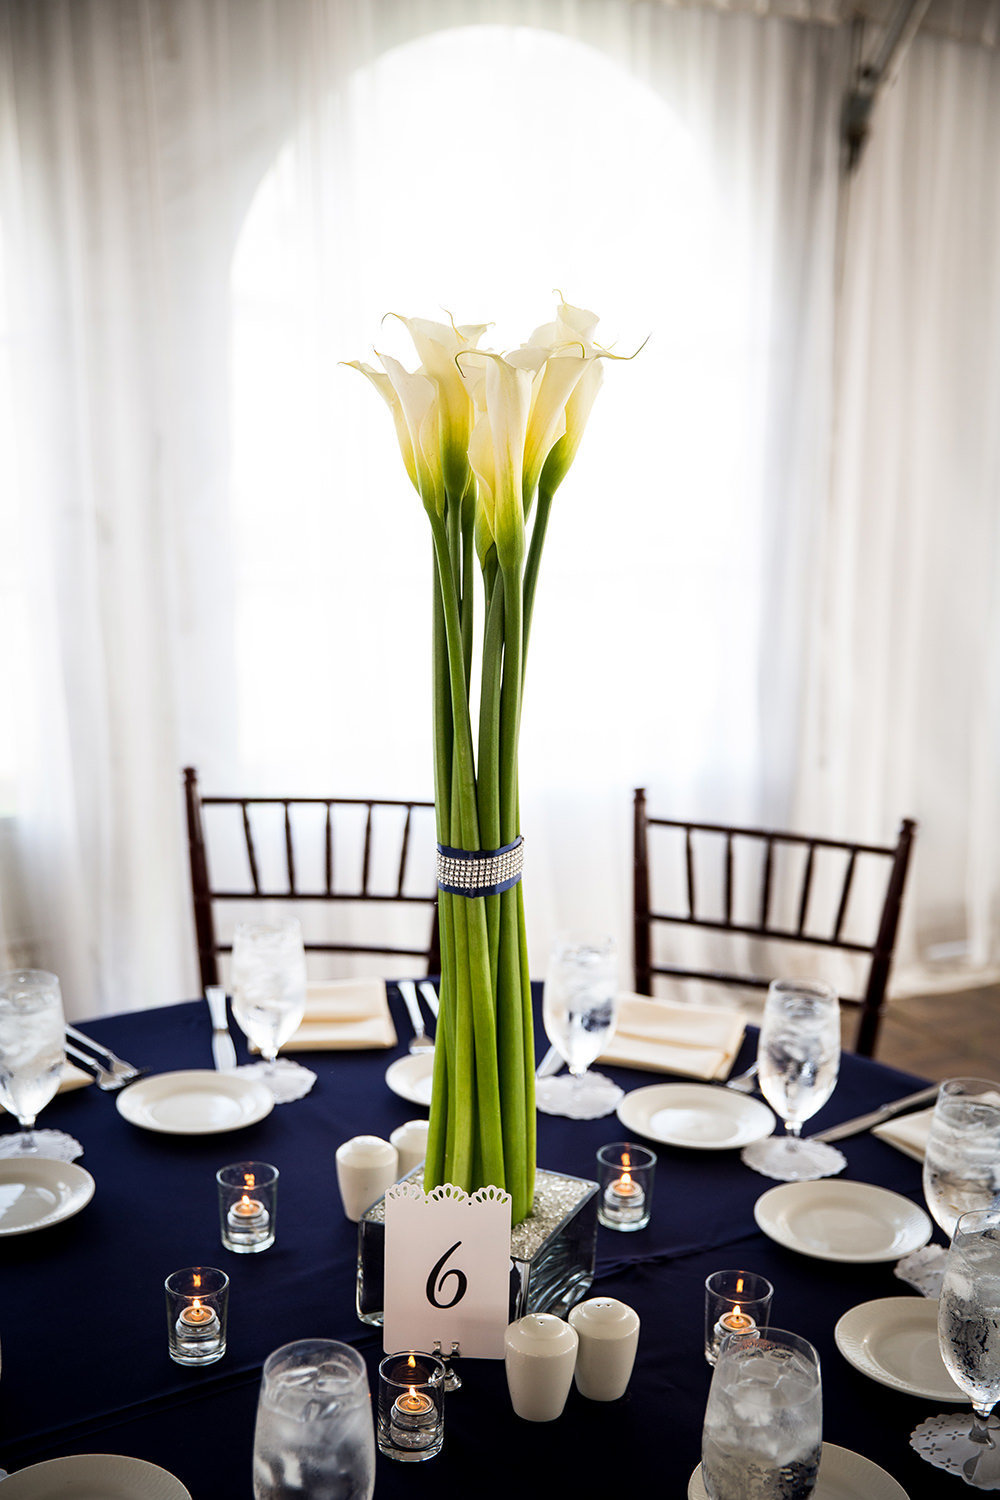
x=625, y=1177
x=197, y=1301
x=736, y=1302
x=248, y=1200
x=411, y=1406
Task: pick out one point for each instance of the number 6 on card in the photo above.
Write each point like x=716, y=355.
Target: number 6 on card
x=447, y=1269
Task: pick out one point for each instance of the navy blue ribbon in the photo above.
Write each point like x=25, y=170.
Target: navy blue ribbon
x=479, y=872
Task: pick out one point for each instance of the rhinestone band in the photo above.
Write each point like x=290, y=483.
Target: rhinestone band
x=481, y=872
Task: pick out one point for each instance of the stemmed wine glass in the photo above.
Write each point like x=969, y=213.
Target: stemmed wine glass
x=969, y=1336
x=579, y=1010
x=32, y=1057
x=962, y=1159
x=798, y=1063
x=961, y=1168
x=268, y=979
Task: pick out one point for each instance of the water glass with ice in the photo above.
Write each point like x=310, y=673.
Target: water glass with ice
x=315, y=1438
x=32, y=1058
x=798, y=1059
x=962, y=1160
x=763, y=1430
x=269, y=986
x=579, y=1012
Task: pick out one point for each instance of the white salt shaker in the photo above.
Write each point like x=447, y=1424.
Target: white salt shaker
x=609, y=1337
x=410, y=1140
x=540, y=1358
x=366, y=1166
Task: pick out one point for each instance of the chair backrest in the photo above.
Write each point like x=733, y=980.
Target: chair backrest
x=291, y=887
x=732, y=851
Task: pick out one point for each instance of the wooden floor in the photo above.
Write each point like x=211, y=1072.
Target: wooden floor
x=944, y=1036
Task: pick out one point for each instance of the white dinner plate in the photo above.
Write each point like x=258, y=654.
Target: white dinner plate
x=701, y=1116
x=94, y=1476
x=36, y=1192
x=836, y=1220
x=843, y=1475
x=895, y=1341
x=195, y=1102
x=410, y=1077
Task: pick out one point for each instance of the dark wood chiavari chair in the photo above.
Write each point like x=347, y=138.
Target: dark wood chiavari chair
x=715, y=910
x=206, y=895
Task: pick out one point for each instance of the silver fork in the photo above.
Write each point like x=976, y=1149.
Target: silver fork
x=744, y=1083
x=420, y=1041
x=114, y=1072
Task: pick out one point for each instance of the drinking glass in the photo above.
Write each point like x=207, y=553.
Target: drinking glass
x=798, y=1061
x=962, y=1159
x=969, y=1336
x=579, y=1011
x=763, y=1432
x=314, y=1439
x=32, y=1057
x=269, y=985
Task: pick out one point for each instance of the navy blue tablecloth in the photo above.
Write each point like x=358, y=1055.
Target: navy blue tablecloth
x=83, y=1327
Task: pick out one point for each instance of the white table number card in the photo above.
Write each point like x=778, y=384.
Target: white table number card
x=447, y=1269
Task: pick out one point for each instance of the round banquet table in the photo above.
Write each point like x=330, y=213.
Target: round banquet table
x=83, y=1326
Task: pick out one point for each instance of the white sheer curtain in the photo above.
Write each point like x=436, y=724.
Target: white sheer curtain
x=904, y=667
x=208, y=205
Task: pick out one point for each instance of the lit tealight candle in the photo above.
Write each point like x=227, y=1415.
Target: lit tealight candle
x=734, y=1321
x=198, y=1321
x=248, y=1215
x=413, y=1421
x=624, y=1199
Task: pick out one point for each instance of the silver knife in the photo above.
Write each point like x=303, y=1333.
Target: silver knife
x=223, y=1050
x=877, y=1116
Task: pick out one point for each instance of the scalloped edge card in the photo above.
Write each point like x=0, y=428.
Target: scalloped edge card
x=447, y=1269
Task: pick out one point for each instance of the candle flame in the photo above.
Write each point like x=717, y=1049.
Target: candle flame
x=626, y=1183
x=196, y=1305
x=245, y=1200
x=736, y=1311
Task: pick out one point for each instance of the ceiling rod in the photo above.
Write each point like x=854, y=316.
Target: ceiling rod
x=871, y=77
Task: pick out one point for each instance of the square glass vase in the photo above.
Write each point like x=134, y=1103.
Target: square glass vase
x=551, y=1251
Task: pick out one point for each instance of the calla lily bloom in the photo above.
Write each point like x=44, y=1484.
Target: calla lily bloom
x=437, y=344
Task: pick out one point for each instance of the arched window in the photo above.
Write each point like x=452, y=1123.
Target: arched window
x=431, y=183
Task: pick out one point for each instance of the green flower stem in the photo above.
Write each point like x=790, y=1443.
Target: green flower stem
x=542, y=508
x=467, y=507
x=444, y=1056
x=528, y=1024
x=488, y=779
x=510, y=1014
x=474, y=991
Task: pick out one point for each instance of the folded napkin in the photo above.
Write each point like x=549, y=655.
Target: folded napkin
x=693, y=1040
x=343, y=1014
x=909, y=1133
x=72, y=1078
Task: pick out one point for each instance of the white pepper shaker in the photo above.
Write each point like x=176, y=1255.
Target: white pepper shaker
x=609, y=1337
x=540, y=1355
x=366, y=1166
x=410, y=1140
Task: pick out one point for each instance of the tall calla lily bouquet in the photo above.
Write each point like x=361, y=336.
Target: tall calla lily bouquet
x=486, y=439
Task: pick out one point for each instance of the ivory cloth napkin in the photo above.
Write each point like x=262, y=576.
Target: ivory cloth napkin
x=693, y=1040
x=72, y=1078
x=342, y=1014
x=909, y=1133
